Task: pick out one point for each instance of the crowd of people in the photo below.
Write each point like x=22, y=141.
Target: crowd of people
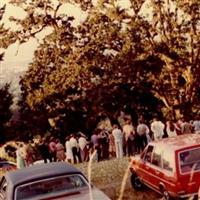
x=119, y=141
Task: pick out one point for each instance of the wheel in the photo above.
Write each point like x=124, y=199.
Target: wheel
x=165, y=194
x=135, y=182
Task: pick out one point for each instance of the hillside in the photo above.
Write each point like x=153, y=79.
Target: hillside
x=108, y=175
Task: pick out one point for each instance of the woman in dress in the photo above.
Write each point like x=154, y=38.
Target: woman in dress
x=111, y=145
x=69, y=153
x=60, y=151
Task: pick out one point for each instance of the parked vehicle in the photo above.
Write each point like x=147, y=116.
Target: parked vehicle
x=53, y=181
x=170, y=166
x=7, y=166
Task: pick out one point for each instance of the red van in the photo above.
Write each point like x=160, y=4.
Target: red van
x=170, y=166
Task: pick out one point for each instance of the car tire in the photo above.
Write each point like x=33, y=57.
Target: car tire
x=165, y=194
x=135, y=182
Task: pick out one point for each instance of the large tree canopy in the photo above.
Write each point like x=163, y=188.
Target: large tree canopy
x=115, y=58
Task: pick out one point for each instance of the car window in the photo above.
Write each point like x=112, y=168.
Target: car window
x=156, y=156
x=148, y=154
x=168, y=161
x=51, y=186
x=189, y=160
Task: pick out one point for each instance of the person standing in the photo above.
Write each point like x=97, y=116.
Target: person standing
x=131, y=144
x=96, y=145
x=60, y=151
x=170, y=129
x=44, y=150
x=52, y=149
x=29, y=159
x=127, y=129
x=104, y=144
x=118, y=138
x=83, y=146
x=142, y=134
x=75, y=148
x=20, y=155
x=186, y=127
x=178, y=125
x=111, y=144
x=69, y=154
x=196, y=125
x=157, y=127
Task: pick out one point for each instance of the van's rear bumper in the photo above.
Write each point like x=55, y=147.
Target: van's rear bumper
x=195, y=195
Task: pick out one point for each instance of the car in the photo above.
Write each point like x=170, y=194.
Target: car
x=7, y=166
x=52, y=181
x=170, y=166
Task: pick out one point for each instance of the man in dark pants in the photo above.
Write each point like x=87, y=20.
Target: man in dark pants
x=44, y=150
x=75, y=148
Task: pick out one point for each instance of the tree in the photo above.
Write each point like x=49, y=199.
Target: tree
x=174, y=34
x=89, y=75
x=115, y=58
x=6, y=100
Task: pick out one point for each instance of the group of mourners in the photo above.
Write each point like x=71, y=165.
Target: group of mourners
x=119, y=141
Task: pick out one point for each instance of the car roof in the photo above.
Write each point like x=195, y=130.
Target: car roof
x=178, y=142
x=40, y=171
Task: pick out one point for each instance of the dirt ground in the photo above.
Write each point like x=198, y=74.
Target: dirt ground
x=108, y=175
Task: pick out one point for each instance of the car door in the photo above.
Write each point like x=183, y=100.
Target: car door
x=156, y=171
x=146, y=165
x=162, y=169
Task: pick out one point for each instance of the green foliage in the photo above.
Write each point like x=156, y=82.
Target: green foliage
x=115, y=59
x=6, y=100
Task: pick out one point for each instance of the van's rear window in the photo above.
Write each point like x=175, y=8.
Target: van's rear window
x=189, y=160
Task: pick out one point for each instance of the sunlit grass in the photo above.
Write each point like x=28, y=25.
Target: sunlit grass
x=113, y=177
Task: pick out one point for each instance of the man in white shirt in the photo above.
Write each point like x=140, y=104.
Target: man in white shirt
x=83, y=146
x=75, y=148
x=157, y=127
x=118, y=137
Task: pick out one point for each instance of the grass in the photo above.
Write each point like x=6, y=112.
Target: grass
x=108, y=175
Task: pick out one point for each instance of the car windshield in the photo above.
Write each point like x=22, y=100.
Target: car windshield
x=189, y=160
x=51, y=187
